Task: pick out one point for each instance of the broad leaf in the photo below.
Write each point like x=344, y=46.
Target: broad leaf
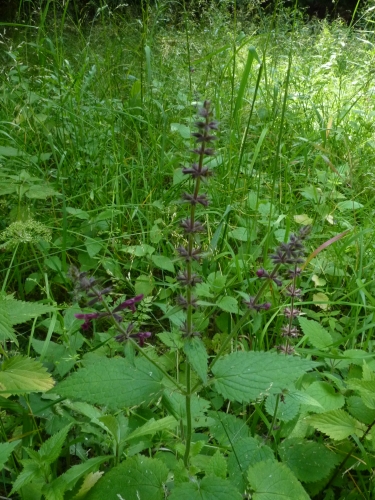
x=228, y=304
x=248, y=451
x=272, y=480
x=115, y=383
x=317, y=335
x=246, y=376
x=227, y=429
x=325, y=394
x=310, y=461
x=6, y=330
x=210, y=488
x=19, y=311
x=163, y=262
x=197, y=356
x=20, y=375
x=287, y=407
x=357, y=408
x=175, y=404
x=337, y=424
x=136, y=478
x=31, y=471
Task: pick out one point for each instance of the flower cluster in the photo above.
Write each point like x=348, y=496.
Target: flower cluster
x=191, y=226
x=89, y=286
x=287, y=258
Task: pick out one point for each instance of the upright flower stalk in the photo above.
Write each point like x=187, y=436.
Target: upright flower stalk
x=192, y=251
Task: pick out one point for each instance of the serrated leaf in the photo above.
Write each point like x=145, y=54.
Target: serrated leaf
x=163, y=262
x=210, y=488
x=357, y=408
x=50, y=450
x=287, y=407
x=228, y=304
x=175, y=403
x=197, y=356
x=217, y=466
x=246, y=452
x=19, y=375
x=227, y=429
x=20, y=311
x=349, y=205
x=317, y=335
x=68, y=480
x=136, y=478
x=6, y=330
x=337, y=424
x=325, y=394
x=114, y=383
x=310, y=461
x=31, y=471
x=272, y=480
x=245, y=376
x=153, y=426
x=5, y=451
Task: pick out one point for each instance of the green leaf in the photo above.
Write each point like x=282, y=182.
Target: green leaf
x=196, y=354
x=153, y=426
x=337, y=424
x=310, y=461
x=272, y=480
x=20, y=311
x=163, y=262
x=183, y=130
x=10, y=151
x=5, y=451
x=51, y=449
x=357, y=408
x=287, y=408
x=239, y=233
x=31, y=471
x=69, y=479
x=77, y=212
x=210, y=488
x=6, y=330
x=228, y=304
x=112, y=425
x=227, y=429
x=140, y=477
x=349, y=205
x=23, y=375
x=246, y=376
x=246, y=452
x=317, y=335
x=325, y=394
x=175, y=404
x=217, y=466
x=114, y=383
x=93, y=246
x=41, y=192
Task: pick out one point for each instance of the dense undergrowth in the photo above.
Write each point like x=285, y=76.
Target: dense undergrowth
x=223, y=267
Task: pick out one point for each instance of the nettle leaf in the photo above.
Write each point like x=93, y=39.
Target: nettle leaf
x=349, y=205
x=227, y=429
x=5, y=451
x=51, y=449
x=357, y=408
x=114, y=383
x=287, y=407
x=272, y=480
x=217, y=466
x=210, y=488
x=6, y=330
x=175, y=403
x=31, y=471
x=246, y=452
x=139, y=477
x=317, y=335
x=310, y=461
x=20, y=312
x=23, y=375
x=69, y=479
x=337, y=424
x=245, y=376
x=196, y=353
x=325, y=394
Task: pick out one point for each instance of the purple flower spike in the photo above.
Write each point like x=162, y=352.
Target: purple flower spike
x=141, y=336
x=130, y=303
x=88, y=318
